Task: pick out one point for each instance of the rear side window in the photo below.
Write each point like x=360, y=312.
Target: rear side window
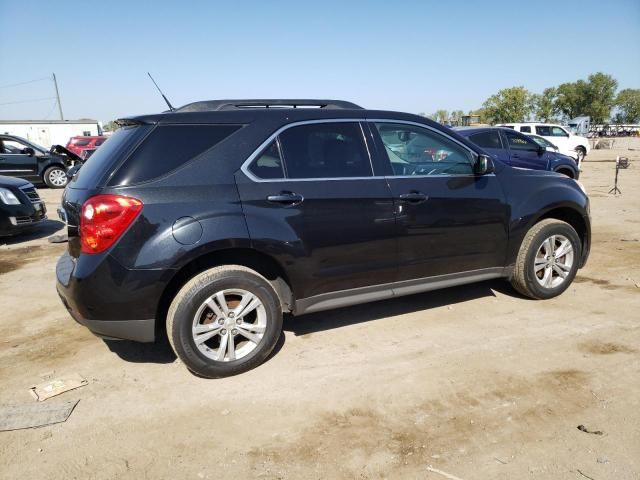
x=102, y=162
x=268, y=165
x=166, y=148
x=325, y=150
x=525, y=129
x=543, y=131
x=487, y=140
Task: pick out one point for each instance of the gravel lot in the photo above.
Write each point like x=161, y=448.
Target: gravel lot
x=474, y=381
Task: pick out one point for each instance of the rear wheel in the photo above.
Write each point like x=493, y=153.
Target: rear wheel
x=548, y=259
x=55, y=177
x=224, y=321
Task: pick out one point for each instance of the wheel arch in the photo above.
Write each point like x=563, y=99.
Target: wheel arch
x=568, y=171
x=574, y=218
x=258, y=261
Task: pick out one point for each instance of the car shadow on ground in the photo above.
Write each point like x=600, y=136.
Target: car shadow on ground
x=48, y=227
x=330, y=319
x=161, y=351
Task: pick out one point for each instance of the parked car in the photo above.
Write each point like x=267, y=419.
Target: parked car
x=568, y=144
x=78, y=144
x=21, y=208
x=215, y=219
x=24, y=159
x=519, y=150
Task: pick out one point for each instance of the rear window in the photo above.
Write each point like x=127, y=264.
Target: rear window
x=166, y=148
x=119, y=145
x=81, y=142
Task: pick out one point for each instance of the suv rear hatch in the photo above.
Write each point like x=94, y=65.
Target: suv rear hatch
x=95, y=174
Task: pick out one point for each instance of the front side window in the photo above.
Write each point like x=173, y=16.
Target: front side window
x=12, y=147
x=325, y=150
x=558, y=132
x=525, y=129
x=414, y=150
x=489, y=139
x=520, y=142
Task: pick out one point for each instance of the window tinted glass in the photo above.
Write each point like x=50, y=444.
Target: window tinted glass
x=525, y=129
x=100, y=141
x=166, y=148
x=268, y=164
x=520, y=142
x=544, y=131
x=119, y=145
x=81, y=142
x=413, y=150
x=325, y=150
x=486, y=140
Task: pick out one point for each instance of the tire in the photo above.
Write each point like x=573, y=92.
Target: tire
x=532, y=255
x=55, y=177
x=194, y=307
x=566, y=172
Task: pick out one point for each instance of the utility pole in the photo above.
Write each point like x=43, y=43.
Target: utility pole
x=55, y=82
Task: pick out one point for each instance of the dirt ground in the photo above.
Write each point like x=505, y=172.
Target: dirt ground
x=474, y=382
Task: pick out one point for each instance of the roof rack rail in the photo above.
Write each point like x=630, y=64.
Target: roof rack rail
x=212, y=105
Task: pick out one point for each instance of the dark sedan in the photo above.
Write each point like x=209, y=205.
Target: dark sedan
x=21, y=208
x=519, y=150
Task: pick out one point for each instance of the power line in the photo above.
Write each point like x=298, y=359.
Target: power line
x=25, y=83
x=33, y=100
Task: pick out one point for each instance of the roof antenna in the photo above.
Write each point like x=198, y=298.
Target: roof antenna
x=165, y=98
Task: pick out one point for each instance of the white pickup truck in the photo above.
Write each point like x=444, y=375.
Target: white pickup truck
x=567, y=143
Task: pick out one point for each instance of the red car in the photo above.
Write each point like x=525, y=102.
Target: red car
x=78, y=144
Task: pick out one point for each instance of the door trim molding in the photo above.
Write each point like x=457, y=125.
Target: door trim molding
x=354, y=296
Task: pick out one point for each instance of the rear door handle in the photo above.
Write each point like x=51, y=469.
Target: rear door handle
x=414, y=197
x=286, y=198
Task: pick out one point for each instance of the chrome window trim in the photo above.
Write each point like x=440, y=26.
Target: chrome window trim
x=245, y=165
x=15, y=171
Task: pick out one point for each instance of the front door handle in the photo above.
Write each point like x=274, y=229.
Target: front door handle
x=414, y=197
x=286, y=198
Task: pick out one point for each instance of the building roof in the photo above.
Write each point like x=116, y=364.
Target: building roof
x=38, y=122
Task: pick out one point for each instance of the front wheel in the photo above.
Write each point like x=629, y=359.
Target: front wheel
x=55, y=177
x=224, y=321
x=548, y=259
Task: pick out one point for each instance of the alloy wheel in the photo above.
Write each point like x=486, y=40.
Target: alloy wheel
x=229, y=325
x=553, y=261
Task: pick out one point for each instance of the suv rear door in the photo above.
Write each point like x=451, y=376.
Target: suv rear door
x=311, y=201
x=448, y=219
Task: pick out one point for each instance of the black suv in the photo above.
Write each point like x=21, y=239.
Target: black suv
x=218, y=217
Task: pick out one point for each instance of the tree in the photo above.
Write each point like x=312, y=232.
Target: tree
x=628, y=103
x=513, y=104
x=594, y=97
x=111, y=126
x=545, y=105
x=440, y=116
x=456, y=117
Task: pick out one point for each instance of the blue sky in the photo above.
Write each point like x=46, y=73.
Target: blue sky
x=415, y=56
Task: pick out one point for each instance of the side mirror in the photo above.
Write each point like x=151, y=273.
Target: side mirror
x=483, y=165
x=29, y=151
x=542, y=150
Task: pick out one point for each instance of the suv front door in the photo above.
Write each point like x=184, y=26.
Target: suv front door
x=311, y=187
x=524, y=152
x=14, y=161
x=448, y=219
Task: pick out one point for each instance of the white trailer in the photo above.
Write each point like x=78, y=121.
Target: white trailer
x=50, y=132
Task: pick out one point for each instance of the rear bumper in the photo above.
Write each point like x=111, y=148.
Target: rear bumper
x=110, y=300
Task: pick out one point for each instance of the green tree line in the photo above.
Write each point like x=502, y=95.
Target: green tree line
x=596, y=97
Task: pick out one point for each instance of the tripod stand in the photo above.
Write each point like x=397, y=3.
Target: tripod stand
x=621, y=162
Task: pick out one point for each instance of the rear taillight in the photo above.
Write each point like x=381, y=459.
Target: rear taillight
x=104, y=218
